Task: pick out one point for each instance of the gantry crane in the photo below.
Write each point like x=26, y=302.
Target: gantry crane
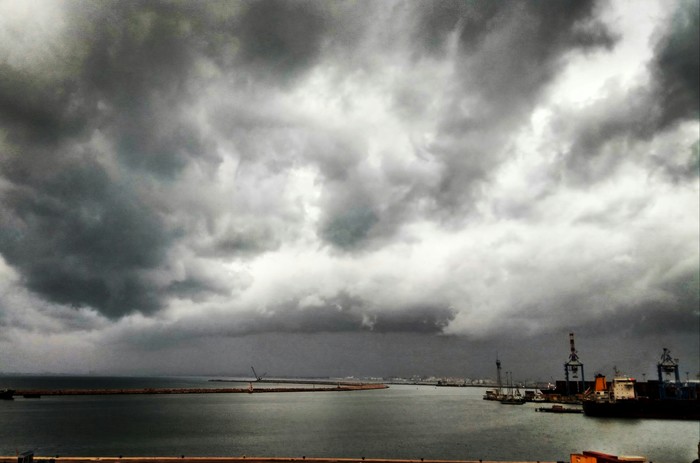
x=573, y=365
x=668, y=366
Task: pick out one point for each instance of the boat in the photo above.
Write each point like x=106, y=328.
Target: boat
x=6, y=394
x=493, y=394
x=558, y=409
x=644, y=408
x=535, y=396
x=598, y=457
x=513, y=396
x=672, y=400
x=513, y=400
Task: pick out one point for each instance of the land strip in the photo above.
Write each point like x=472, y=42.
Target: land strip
x=248, y=390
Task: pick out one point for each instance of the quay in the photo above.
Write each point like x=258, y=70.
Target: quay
x=249, y=390
x=242, y=459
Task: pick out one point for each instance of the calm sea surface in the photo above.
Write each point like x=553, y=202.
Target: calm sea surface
x=400, y=422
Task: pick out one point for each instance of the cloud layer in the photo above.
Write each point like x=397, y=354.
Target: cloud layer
x=175, y=171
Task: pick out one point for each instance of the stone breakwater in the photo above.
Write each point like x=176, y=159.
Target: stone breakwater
x=248, y=390
x=242, y=459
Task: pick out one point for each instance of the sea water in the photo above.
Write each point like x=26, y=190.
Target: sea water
x=404, y=421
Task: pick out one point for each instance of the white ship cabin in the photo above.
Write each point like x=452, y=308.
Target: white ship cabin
x=623, y=388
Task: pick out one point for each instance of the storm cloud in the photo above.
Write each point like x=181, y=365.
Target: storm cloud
x=462, y=172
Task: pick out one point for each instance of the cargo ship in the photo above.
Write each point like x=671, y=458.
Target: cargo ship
x=672, y=400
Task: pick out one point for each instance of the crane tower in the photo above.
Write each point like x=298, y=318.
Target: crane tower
x=666, y=367
x=572, y=366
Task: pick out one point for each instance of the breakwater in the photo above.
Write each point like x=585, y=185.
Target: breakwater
x=242, y=459
x=248, y=390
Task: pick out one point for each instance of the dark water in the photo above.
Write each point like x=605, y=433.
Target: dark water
x=400, y=422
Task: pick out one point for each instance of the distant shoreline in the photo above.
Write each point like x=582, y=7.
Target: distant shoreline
x=347, y=382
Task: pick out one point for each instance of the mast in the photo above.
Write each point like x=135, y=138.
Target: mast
x=498, y=376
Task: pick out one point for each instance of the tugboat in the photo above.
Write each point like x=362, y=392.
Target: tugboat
x=558, y=409
x=6, y=394
x=675, y=400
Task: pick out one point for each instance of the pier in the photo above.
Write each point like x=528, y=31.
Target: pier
x=241, y=459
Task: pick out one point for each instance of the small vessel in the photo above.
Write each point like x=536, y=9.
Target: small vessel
x=512, y=400
x=535, y=396
x=513, y=396
x=559, y=409
x=492, y=394
x=6, y=394
x=598, y=457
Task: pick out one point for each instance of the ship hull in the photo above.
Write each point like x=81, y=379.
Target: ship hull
x=641, y=408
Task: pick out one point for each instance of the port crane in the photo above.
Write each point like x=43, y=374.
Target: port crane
x=255, y=375
x=573, y=365
x=666, y=367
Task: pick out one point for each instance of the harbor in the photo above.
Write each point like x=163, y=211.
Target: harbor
x=667, y=397
x=401, y=422
x=195, y=416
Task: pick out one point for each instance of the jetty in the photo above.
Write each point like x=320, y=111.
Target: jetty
x=154, y=391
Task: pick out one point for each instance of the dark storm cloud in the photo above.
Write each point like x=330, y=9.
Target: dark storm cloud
x=280, y=39
x=676, y=66
x=670, y=306
x=76, y=237
x=341, y=313
x=79, y=233
x=36, y=110
x=139, y=65
x=350, y=223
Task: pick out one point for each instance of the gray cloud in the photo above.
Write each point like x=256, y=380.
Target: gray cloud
x=630, y=116
x=507, y=56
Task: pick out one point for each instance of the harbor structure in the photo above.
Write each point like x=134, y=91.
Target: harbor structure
x=496, y=394
x=670, y=385
x=572, y=366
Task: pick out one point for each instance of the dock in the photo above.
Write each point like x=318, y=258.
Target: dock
x=242, y=459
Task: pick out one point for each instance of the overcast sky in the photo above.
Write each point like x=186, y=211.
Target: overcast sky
x=348, y=187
